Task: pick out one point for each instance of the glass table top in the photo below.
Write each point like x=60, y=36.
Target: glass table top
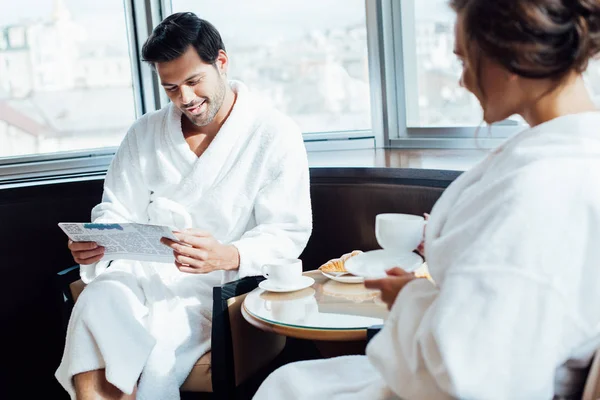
x=326, y=305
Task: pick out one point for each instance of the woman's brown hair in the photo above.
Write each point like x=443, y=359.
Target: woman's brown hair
x=534, y=38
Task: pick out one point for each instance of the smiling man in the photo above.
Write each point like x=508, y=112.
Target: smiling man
x=230, y=174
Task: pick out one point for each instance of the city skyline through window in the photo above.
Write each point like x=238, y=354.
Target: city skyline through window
x=307, y=64
x=66, y=81
x=65, y=76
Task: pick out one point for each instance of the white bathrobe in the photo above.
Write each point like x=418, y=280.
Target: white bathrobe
x=250, y=188
x=514, y=246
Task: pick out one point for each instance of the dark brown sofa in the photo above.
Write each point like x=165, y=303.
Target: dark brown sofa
x=345, y=202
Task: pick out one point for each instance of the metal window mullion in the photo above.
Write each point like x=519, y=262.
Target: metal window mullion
x=338, y=135
x=387, y=70
x=375, y=50
x=55, y=165
x=473, y=143
x=393, y=69
x=132, y=39
x=404, y=21
x=158, y=10
x=142, y=16
x=468, y=132
x=166, y=8
x=63, y=155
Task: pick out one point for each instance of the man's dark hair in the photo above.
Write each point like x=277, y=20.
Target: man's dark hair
x=176, y=33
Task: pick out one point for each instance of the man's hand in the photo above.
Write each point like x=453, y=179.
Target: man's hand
x=201, y=253
x=392, y=285
x=86, y=253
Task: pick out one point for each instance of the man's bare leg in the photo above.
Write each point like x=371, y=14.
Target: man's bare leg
x=92, y=385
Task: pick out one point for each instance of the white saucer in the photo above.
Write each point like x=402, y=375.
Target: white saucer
x=373, y=264
x=302, y=283
x=344, y=278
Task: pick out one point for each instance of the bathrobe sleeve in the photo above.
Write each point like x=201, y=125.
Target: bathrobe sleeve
x=125, y=197
x=502, y=319
x=282, y=210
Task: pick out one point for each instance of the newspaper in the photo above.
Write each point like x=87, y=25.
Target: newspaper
x=127, y=241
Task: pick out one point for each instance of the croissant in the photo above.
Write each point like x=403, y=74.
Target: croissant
x=423, y=272
x=423, y=275
x=346, y=256
x=337, y=264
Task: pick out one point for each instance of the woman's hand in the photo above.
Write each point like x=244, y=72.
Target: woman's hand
x=391, y=285
x=199, y=252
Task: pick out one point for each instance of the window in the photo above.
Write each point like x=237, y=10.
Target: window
x=373, y=71
x=592, y=78
x=431, y=70
x=65, y=76
x=308, y=57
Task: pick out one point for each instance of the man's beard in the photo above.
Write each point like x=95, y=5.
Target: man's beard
x=213, y=105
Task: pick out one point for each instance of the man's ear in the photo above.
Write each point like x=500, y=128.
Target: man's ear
x=222, y=62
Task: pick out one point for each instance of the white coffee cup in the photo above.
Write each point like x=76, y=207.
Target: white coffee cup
x=399, y=232
x=283, y=273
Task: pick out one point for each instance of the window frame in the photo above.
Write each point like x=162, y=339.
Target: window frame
x=396, y=19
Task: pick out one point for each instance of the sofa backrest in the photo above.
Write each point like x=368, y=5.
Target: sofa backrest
x=345, y=202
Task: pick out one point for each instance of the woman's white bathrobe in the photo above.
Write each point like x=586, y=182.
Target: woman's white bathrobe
x=514, y=246
x=250, y=188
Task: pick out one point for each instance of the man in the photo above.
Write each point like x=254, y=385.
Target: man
x=227, y=171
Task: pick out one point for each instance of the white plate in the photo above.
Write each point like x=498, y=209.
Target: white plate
x=303, y=282
x=373, y=264
x=344, y=278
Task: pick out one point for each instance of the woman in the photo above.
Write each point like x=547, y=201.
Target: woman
x=513, y=244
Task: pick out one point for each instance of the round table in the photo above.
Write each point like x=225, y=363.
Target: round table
x=326, y=311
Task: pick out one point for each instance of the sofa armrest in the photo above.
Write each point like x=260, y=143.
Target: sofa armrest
x=372, y=331
x=71, y=273
x=239, y=350
x=64, y=280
